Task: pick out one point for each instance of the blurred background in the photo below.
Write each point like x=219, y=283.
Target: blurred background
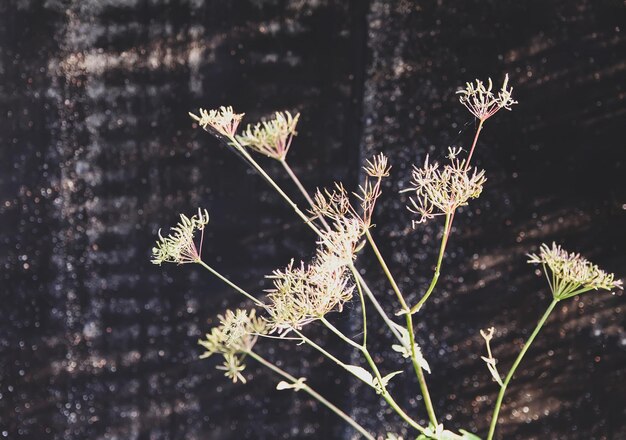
x=97, y=152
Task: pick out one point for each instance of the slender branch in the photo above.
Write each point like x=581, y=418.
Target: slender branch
x=304, y=192
x=419, y=372
x=496, y=410
x=230, y=283
x=433, y=283
x=378, y=307
x=320, y=348
x=384, y=392
x=469, y=156
x=448, y=227
x=363, y=310
x=274, y=185
x=339, y=333
x=409, y=324
x=306, y=388
x=385, y=268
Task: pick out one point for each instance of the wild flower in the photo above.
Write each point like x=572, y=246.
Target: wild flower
x=233, y=339
x=489, y=359
x=481, y=101
x=571, y=274
x=179, y=246
x=377, y=167
x=223, y=121
x=336, y=206
x=442, y=189
x=305, y=293
x=271, y=138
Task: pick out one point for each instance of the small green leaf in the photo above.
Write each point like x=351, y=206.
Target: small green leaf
x=468, y=435
x=361, y=373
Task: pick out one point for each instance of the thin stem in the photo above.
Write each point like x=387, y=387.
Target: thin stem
x=363, y=311
x=274, y=185
x=496, y=410
x=306, y=388
x=409, y=324
x=303, y=190
x=319, y=348
x=339, y=333
x=385, y=268
x=469, y=156
x=386, y=395
x=230, y=283
x=390, y=324
x=420, y=373
x=442, y=249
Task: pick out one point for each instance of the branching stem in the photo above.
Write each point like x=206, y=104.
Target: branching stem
x=306, y=388
x=230, y=283
x=496, y=409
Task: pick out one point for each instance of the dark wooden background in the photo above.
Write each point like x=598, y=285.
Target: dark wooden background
x=97, y=152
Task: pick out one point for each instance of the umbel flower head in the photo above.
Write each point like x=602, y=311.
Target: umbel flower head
x=336, y=206
x=305, y=293
x=442, y=189
x=570, y=274
x=481, y=101
x=233, y=338
x=223, y=121
x=179, y=246
x=271, y=138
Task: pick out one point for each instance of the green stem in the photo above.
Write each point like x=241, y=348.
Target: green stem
x=496, y=410
x=409, y=324
x=319, y=348
x=385, y=268
x=304, y=387
x=442, y=250
x=385, y=394
x=230, y=283
x=303, y=190
x=469, y=156
x=370, y=295
x=363, y=311
x=274, y=185
x=419, y=372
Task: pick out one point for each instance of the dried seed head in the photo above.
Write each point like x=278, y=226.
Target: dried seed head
x=335, y=205
x=571, y=274
x=481, y=101
x=223, y=121
x=233, y=338
x=273, y=137
x=441, y=190
x=305, y=293
x=377, y=166
x=179, y=247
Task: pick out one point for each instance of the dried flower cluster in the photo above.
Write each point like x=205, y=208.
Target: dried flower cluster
x=223, y=121
x=179, y=246
x=443, y=189
x=335, y=205
x=233, y=338
x=489, y=359
x=304, y=293
x=481, y=101
x=572, y=274
x=271, y=138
